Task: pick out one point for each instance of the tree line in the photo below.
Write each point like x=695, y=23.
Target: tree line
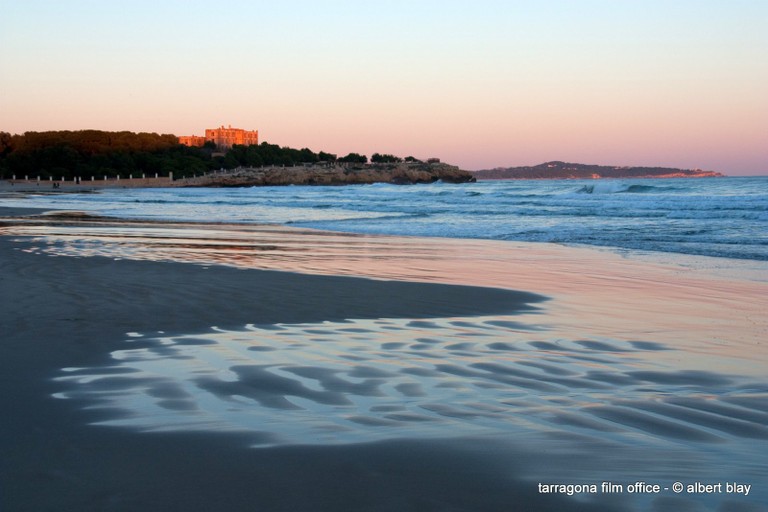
x=86, y=153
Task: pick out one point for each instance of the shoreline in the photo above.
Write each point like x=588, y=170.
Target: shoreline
x=592, y=214
x=585, y=281
x=76, y=287
x=64, y=312
x=21, y=186
x=403, y=173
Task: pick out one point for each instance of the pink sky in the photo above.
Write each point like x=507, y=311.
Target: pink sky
x=491, y=84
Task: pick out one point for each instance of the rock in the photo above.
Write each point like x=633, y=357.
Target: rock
x=354, y=174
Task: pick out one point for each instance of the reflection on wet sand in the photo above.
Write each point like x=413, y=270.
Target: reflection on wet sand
x=708, y=312
x=660, y=363
x=371, y=380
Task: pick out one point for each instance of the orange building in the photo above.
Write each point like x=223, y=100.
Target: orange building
x=191, y=140
x=227, y=137
x=224, y=138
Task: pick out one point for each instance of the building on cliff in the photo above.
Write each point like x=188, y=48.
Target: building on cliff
x=223, y=137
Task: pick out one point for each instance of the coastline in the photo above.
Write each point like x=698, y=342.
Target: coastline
x=73, y=310
x=404, y=173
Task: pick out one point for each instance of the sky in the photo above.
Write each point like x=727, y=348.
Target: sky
x=480, y=84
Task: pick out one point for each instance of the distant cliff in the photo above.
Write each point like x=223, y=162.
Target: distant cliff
x=331, y=174
x=565, y=170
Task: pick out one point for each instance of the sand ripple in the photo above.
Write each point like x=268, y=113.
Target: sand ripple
x=363, y=381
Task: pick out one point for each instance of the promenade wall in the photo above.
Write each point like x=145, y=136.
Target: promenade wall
x=92, y=182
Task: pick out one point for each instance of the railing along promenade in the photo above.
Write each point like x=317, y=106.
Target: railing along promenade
x=93, y=181
x=126, y=182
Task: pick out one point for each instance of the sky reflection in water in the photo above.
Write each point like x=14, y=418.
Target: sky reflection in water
x=364, y=381
x=658, y=361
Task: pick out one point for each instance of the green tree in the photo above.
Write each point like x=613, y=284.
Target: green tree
x=5, y=143
x=307, y=156
x=354, y=158
x=326, y=157
x=378, y=158
x=88, y=153
x=231, y=161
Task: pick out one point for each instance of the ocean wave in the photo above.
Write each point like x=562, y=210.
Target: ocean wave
x=327, y=224
x=689, y=216
x=612, y=187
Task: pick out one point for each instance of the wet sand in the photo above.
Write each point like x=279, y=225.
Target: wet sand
x=457, y=375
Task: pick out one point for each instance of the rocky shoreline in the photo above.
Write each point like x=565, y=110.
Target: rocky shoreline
x=335, y=174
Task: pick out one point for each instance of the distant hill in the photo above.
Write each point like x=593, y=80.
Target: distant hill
x=565, y=170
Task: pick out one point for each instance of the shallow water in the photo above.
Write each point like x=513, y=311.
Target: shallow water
x=582, y=410
x=724, y=217
x=370, y=380
x=635, y=368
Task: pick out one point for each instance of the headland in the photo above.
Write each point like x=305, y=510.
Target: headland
x=564, y=170
x=106, y=159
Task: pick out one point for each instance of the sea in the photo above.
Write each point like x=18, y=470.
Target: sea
x=643, y=368
x=720, y=217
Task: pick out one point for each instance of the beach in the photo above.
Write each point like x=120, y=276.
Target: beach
x=191, y=366
x=383, y=257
